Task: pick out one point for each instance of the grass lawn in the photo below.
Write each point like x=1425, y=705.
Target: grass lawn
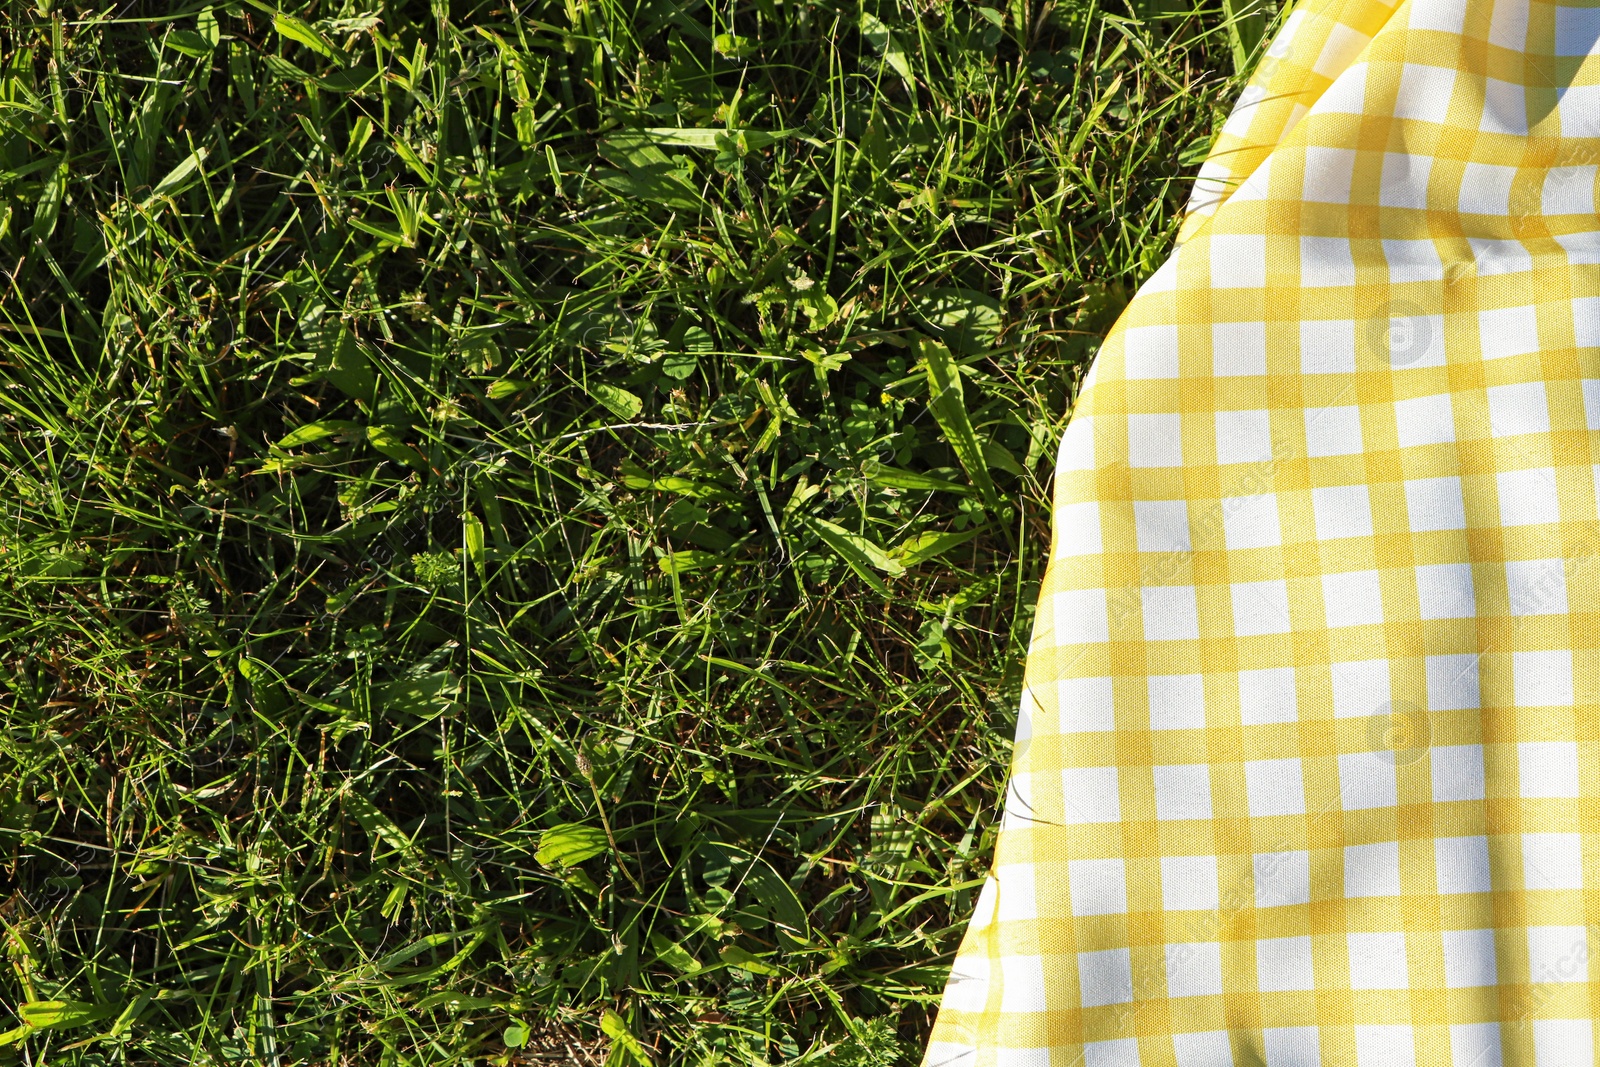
x=521, y=520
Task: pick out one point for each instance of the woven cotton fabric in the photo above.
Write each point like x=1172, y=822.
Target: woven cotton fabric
x=1307, y=767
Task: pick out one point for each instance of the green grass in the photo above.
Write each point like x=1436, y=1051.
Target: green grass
x=521, y=523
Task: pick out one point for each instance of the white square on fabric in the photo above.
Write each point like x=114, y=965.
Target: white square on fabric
x=1469, y=958
x=1260, y=607
x=1077, y=530
x=1267, y=696
x=1444, y=591
x=1452, y=682
x=1212, y=184
x=1327, y=346
x=1457, y=772
x=1542, y=679
x=1326, y=261
x=1505, y=104
x=1547, y=768
x=1085, y=705
x=1577, y=29
x=1414, y=260
x=1017, y=896
x=1446, y=16
x=1528, y=497
x=1238, y=349
x=1189, y=883
x=1496, y=256
x=1274, y=787
x=1342, y=511
x=1117, y=1052
x=1385, y=1046
x=1508, y=26
x=1165, y=278
x=1194, y=969
x=1327, y=175
x=1462, y=864
x=1414, y=341
x=1022, y=984
x=1018, y=810
x=1020, y=1057
x=1026, y=715
x=1486, y=189
x=1580, y=247
x=1177, y=701
x=1347, y=95
x=1098, y=887
x=1366, y=780
x=1183, y=791
x=1208, y=1046
x=1435, y=504
x=1403, y=182
x=1076, y=451
x=1089, y=794
x=1377, y=960
x=1591, y=403
x=968, y=988
x=1244, y=110
x=1256, y=186
x=1150, y=352
x=1251, y=521
x=1505, y=332
x=1283, y=40
x=983, y=911
x=1424, y=420
x=1334, y=431
x=1558, y=953
x=1171, y=613
x=1161, y=525
x=1563, y=1042
x=1425, y=91
x=1244, y=436
x=1360, y=687
x=1552, y=861
x=949, y=1053
x=1105, y=977
x=1283, y=964
x=1568, y=191
x=1518, y=408
x=1578, y=107
x=1282, y=878
x=1476, y=1043
x=1155, y=440
x=1291, y=1046
x=1537, y=586
x=1090, y=376
x=1238, y=261
x=1353, y=598
x=1343, y=45
x=1080, y=616
x=1372, y=870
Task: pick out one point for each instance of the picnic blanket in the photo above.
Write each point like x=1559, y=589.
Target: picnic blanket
x=1307, y=766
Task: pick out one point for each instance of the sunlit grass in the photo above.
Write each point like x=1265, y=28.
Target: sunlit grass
x=521, y=530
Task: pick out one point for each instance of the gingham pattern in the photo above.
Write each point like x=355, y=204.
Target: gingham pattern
x=1306, y=769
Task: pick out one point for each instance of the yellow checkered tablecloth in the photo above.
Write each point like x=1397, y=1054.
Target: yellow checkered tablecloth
x=1308, y=762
